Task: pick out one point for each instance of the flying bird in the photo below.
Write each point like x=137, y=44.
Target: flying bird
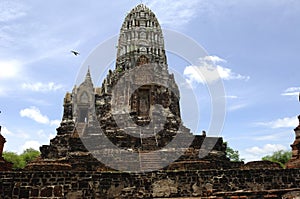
x=75, y=52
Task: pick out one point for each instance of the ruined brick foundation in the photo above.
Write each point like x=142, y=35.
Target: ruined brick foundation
x=255, y=183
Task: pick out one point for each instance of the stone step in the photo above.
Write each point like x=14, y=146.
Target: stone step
x=151, y=161
x=148, y=143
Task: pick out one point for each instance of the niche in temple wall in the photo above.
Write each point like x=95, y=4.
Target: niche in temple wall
x=140, y=102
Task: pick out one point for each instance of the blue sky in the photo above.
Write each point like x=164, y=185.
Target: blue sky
x=255, y=45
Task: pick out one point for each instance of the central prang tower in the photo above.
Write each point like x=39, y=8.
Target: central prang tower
x=140, y=88
x=136, y=109
x=141, y=49
x=141, y=40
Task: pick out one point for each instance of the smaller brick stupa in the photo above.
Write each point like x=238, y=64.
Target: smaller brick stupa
x=4, y=165
x=294, y=162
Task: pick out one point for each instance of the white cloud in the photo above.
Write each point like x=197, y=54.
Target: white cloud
x=30, y=144
x=51, y=136
x=256, y=153
x=266, y=149
x=287, y=122
x=36, y=115
x=9, y=69
x=10, y=10
x=227, y=74
x=10, y=72
x=214, y=59
x=209, y=71
x=292, y=91
x=5, y=131
x=42, y=87
x=181, y=12
x=55, y=122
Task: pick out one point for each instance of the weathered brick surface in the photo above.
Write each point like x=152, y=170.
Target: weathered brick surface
x=295, y=160
x=263, y=183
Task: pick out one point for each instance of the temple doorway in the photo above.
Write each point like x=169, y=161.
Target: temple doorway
x=83, y=115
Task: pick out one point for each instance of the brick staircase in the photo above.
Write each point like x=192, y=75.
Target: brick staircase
x=151, y=161
x=148, y=140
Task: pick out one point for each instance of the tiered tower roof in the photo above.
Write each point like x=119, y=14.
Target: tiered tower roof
x=141, y=39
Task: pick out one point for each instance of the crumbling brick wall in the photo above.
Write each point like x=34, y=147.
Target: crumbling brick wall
x=255, y=183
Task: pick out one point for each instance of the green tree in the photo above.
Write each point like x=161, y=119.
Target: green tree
x=29, y=154
x=233, y=155
x=14, y=158
x=20, y=161
x=281, y=157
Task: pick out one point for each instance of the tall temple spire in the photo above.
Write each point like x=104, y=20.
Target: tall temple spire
x=141, y=39
x=88, y=78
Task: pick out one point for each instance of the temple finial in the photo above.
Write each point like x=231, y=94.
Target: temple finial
x=88, y=77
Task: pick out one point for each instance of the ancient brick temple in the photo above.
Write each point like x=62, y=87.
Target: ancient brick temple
x=136, y=109
x=126, y=139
